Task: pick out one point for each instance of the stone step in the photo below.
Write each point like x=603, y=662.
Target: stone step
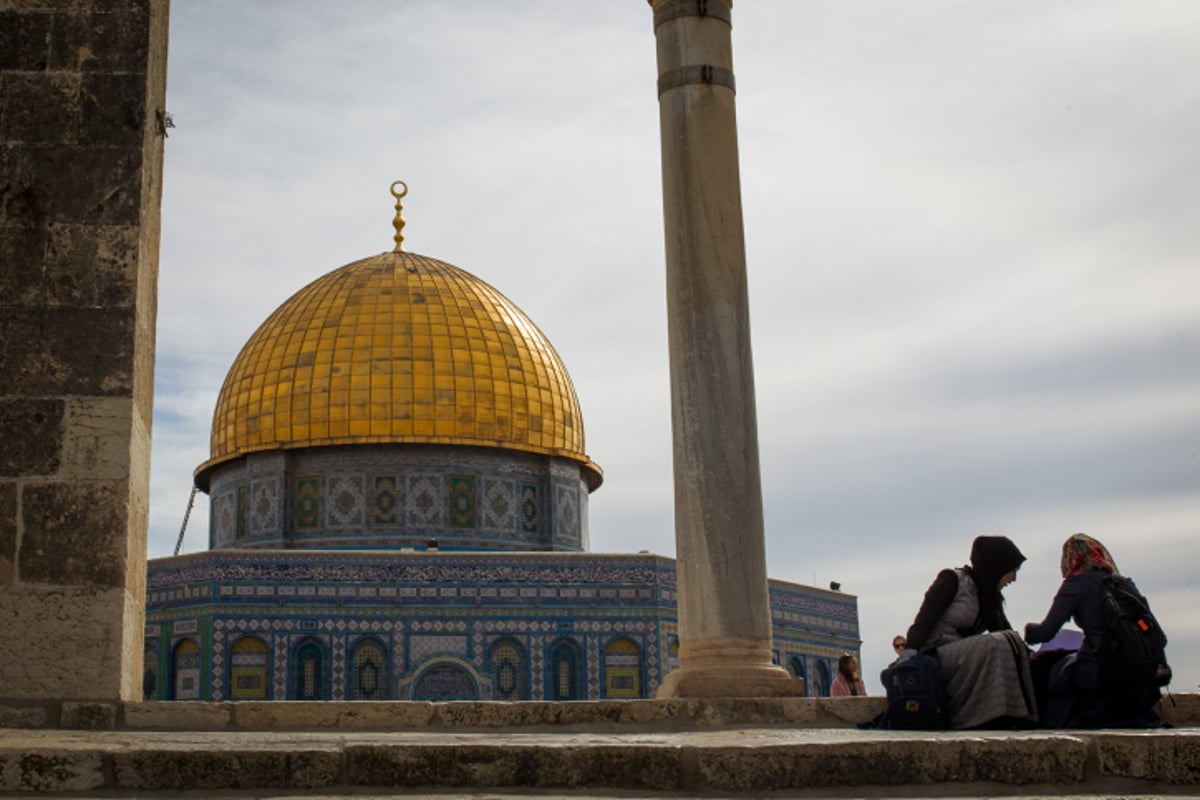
x=653, y=748
x=724, y=763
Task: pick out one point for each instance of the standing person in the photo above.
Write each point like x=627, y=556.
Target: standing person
x=983, y=664
x=1080, y=693
x=848, y=682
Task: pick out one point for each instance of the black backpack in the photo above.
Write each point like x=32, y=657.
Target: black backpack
x=916, y=699
x=1132, y=654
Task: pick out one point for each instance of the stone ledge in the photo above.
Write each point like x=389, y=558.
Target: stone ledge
x=582, y=716
x=741, y=762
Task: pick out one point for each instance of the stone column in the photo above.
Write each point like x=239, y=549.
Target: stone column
x=82, y=104
x=724, y=612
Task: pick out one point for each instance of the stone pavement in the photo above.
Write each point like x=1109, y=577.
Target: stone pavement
x=644, y=749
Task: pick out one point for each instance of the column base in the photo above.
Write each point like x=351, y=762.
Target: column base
x=728, y=668
x=730, y=682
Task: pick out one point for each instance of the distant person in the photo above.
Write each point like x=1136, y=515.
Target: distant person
x=1084, y=690
x=899, y=643
x=848, y=682
x=983, y=664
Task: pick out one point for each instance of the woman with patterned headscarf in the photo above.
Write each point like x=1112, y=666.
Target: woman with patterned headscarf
x=1079, y=697
x=982, y=662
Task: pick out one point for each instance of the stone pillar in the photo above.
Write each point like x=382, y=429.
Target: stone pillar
x=82, y=99
x=724, y=612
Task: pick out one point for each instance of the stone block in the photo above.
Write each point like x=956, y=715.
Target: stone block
x=720, y=712
x=612, y=766
x=50, y=771
x=24, y=40
x=75, y=534
x=88, y=716
x=23, y=717
x=894, y=761
x=1166, y=756
x=73, y=184
x=97, y=439
x=32, y=432
x=56, y=351
x=288, y=766
x=8, y=533
x=103, y=35
x=73, y=643
x=854, y=710
x=40, y=108
x=179, y=715
x=291, y=715
x=22, y=254
x=112, y=107
x=1181, y=709
x=90, y=265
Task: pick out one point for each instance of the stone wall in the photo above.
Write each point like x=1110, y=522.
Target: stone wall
x=82, y=123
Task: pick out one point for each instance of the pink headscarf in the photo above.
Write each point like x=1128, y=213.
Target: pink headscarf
x=1081, y=553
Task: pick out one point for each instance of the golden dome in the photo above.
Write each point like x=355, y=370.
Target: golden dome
x=398, y=348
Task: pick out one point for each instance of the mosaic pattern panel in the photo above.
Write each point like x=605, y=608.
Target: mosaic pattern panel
x=308, y=503
x=499, y=506
x=566, y=513
x=425, y=501
x=386, y=502
x=345, y=502
x=530, y=519
x=462, y=501
x=265, y=518
x=224, y=518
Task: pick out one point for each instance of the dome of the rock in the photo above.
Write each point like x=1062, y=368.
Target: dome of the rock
x=398, y=348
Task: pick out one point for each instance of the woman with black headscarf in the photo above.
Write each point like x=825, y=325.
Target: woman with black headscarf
x=984, y=665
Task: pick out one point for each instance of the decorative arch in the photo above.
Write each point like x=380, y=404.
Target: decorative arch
x=308, y=679
x=565, y=679
x=821, y=680
x=510, y=670
x=185, y=670
x=368, y=670
x=248, y=669
x=445, y=680
x=795, y=666
x=622, y=669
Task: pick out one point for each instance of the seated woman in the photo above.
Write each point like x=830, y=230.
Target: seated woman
x=985, y=674
x=1079, y=695
x=848, y=682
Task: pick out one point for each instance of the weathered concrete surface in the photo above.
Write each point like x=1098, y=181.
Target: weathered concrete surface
x=727, y=763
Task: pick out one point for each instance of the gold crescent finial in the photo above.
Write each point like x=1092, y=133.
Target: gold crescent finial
x=398, y=222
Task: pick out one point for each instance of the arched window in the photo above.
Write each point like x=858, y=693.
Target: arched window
x=445, y=682
x=796, y=667
x=509, y=680
x=185, y=671
x=566, y=678
x=368, y=676
x=308, y=672
x=821, y=681
x=622, y=669
x=248, y=669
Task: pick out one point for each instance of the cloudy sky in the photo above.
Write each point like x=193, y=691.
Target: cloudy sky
x=972, y=232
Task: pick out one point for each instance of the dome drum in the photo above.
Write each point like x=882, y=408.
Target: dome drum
x=399, y=497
